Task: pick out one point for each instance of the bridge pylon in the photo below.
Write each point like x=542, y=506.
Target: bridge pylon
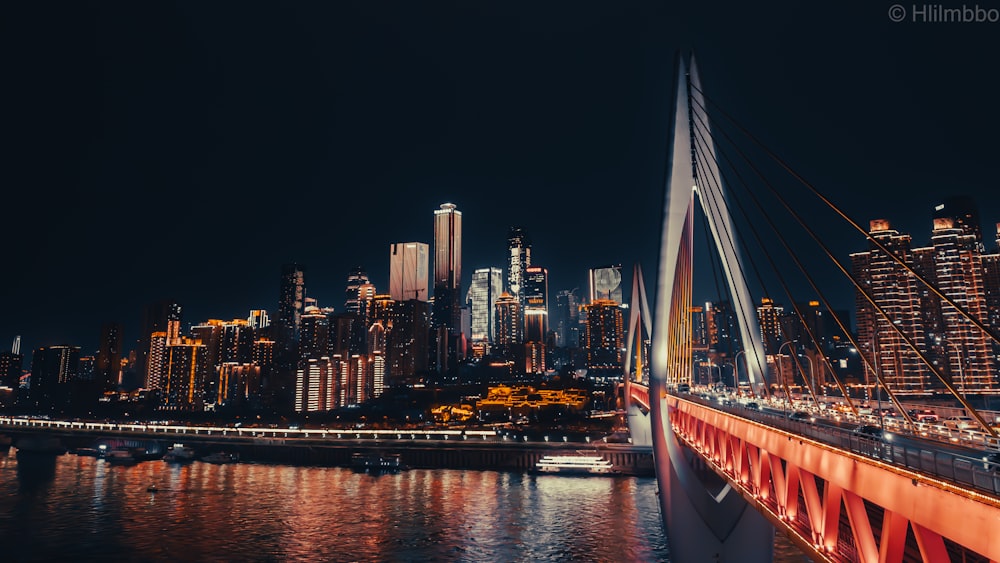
x=701, y=525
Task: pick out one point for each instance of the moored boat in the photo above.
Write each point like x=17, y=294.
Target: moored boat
x=120, y=457
x=580, y=463
x=179, y=453
x=221, y=457
x=375, y=463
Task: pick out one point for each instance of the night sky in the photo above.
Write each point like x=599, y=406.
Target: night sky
x=154, y=149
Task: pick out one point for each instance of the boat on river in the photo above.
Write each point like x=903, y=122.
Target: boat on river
x=580, y=463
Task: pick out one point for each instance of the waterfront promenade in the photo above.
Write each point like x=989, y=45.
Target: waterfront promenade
x=452, y=448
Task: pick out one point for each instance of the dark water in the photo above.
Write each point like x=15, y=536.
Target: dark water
x=71, y=508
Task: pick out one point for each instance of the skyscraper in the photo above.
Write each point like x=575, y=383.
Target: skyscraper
x=896, y=292
x=11, y=364
x=447, y=266
x=408, y=271
x=446, y=316
x=162, y=316
x=486, y=287
x=109, y=355
x=258, y=319
x=604, y=340
x=510, y=327
x=769, y=316
x=291, y=302
x=53, y=371
x=518, y=259
x=606, y=283
x=959, y=275
x=187, y=373
x=964, y=214
x=352, y=295
x=535, y=299
x=566, y=318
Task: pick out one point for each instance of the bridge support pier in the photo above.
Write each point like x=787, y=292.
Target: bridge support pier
x=719, y=530
x=639, y=426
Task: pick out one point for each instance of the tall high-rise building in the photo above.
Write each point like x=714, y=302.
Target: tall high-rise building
x=109, y=355
x=11, y=365
x=291, y=302
x=964, y=215
x=352, y=294
x=187, y=373
x=258, y=319
x=447, y=266
x=407, y=339
x=156, y=368
x=486, y=287
x=408, y=271
x=535, y=300
x=164, y=316
x=53, y=370
x=606, y=283
x=566, y=318
x=316, y=385
x=769, y=316
x=446, y=315
x=605, y=339
x=509, y=327
x=518, y=259
x=896, y=292
x=314, y=341
x=959, y=275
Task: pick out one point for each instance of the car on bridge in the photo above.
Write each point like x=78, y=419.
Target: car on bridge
x=923, y=415
x=869, y=431
x=991, y=460
x=960, y=423
x=802, y=416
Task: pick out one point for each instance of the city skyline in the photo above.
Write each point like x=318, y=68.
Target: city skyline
x=98, y=247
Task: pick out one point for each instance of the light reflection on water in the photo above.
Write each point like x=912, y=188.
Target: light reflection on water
x=72, y=508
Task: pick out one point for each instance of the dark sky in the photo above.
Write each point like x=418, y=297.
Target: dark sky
x=154, y=149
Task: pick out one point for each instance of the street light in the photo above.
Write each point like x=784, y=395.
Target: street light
x=961, y=372
x=781, y=368
x=736, y=370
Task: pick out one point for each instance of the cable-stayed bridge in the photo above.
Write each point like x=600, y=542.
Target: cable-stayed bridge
x=845, y=483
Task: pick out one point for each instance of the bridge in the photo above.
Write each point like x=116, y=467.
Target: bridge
x=735, y=464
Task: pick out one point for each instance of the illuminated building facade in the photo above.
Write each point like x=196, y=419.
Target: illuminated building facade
x=162, y=316
x=291, y=302
x=352, y=294
x=11, y=365
x=258, y=319
x=316, y=385
x=604, y=340
x=157, y=362
x=895, y=291
x=959, y=274
x=314, y=340
x=606, y=283
x=769, y=316
x=509, y=327
x=535, y=301
x=408, y=263
x=446, y=316
x=487, y=285
x=518, y=259
x=187, y=373
x=407, y=339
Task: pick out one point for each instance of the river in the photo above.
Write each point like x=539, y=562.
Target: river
x=75, y=508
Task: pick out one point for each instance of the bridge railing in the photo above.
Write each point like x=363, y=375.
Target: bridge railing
x=973, y=471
